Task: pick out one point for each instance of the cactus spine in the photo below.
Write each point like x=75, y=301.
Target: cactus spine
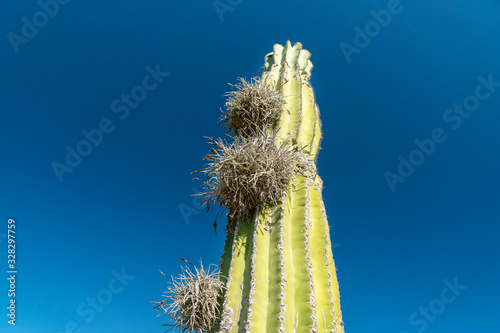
x=278, y=265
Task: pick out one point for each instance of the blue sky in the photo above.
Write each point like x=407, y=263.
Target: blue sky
x=103, y=227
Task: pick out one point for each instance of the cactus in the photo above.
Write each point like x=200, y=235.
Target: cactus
x=277, y=264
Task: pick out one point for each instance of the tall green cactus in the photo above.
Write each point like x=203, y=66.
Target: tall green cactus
x=278, y=266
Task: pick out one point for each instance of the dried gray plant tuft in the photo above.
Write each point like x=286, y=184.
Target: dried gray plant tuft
x=252, y=106
x=251, y=172
x=192, y=299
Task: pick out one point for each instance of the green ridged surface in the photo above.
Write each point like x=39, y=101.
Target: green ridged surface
x=236, y=297
x=273, y=309
x=260, y=275
x=280, y=265
x=288, y=269
x=319, y=259
x=303, y=310
x=335, y=286
x=290, y=74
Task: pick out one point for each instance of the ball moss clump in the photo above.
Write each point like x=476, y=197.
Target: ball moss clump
x=192, y=300
x=251, y=107
x=251, y=172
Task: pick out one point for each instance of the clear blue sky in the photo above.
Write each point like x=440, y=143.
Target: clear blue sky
x=118, y=212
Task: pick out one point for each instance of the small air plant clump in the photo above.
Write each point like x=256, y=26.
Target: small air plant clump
x=252, y=106
x=251, y=172
x=192, y=300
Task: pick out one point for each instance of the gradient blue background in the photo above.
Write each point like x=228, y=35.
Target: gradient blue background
x=121, y=207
